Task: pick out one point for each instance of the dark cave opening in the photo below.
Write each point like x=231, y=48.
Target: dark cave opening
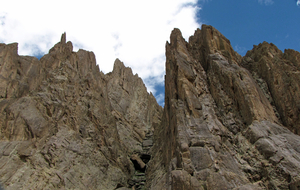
x=139, y=166
x=146, y=158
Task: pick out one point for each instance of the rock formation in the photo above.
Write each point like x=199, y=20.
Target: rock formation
x=66, y=125
x=226, y=117
x=229, y=122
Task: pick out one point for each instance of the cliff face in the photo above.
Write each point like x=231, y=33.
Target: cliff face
x=229, y=122
x=225, y=117
x=280, y=72
x=66, y=125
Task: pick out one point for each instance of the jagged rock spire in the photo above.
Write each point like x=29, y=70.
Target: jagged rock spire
x=63, y=38
x=220, y=121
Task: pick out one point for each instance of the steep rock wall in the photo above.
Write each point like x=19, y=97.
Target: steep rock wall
x=229, y=122
x=64, y=124
x=281, y=72
x=219, y=130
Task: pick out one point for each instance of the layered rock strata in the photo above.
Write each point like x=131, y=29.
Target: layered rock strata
x=225, y=121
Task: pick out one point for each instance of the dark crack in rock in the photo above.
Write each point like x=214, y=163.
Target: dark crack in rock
x=229, y=122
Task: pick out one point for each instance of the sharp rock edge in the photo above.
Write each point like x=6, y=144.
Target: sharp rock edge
x=229, y=122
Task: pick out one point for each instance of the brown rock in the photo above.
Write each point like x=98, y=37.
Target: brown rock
x=182, y=180
x=281, y=73
x=60, y=127
x=18, y=74
x=131, y=101
x=138, y=160
x=225, y=125
x=227, y=117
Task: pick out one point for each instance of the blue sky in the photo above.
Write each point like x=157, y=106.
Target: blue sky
x=136, y=31
x=249, y=22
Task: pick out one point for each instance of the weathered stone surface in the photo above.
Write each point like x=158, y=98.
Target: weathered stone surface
x=182, y=180
x=19, y=74
x=281, y=72
x=220, y=125
x=60, y=126
x=130, y=100
x=229, y=122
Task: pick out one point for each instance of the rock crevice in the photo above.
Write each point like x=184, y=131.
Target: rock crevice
x=229, y=122
x=64, y=124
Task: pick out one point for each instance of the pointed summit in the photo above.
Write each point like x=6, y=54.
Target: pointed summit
x=175, y=36
x=63, y=47
x=63, y=38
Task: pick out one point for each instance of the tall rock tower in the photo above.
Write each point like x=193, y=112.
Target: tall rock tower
x=226, y=118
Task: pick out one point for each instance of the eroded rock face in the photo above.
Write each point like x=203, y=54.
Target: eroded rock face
x=281, y=72
x=221, y=128
x=66, y=125
x=229, y=122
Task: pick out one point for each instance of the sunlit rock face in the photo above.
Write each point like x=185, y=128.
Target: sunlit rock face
x=229, y=122
x=66, y=125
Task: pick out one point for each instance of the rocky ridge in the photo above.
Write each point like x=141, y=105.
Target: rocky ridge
x=66, y=125
x=229, y=122
x=226, y=125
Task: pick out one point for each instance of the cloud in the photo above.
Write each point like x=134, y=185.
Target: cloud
x=240, y=50
x=298, y=3
x=266, y=2
x=160, y=99
x=134, y=31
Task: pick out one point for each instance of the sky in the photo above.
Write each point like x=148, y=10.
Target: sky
x=248, y=22
x=135, y=31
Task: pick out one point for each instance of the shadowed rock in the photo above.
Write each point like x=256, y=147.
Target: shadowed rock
x=229, y=122
x=220, y=127
x=63, y=122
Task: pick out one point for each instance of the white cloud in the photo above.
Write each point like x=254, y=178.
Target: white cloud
x=298, y=3
x=266, y=2
x=240, y=50
x=160, y=99
x=134, y=31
